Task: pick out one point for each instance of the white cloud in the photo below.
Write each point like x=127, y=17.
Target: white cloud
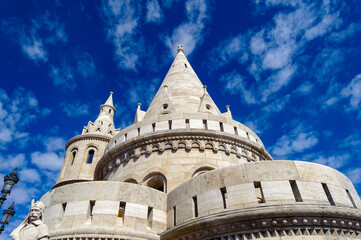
x=294, y=143
x=348, y=32
x=189, y=33
x=353, y=91
x=304, y=88
x=337, y=161
x=54, y=143
x=86, y=66
x=47, y=160
x=122, y=20
x=75, y=109
x=154, y=12
x=12, y=161
x=44, y=29
x=354, y=175
x=235, y=83
x=29, y=175
x=63, y=76
x=272, y=53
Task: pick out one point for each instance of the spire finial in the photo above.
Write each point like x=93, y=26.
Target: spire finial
x=111, y=93
x=180, y=48
x=228, y=108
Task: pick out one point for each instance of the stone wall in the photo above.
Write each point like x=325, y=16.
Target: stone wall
x=261, y=196
x=93, y=209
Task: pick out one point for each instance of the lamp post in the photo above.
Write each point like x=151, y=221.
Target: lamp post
x=9, y=182
x=7, y=215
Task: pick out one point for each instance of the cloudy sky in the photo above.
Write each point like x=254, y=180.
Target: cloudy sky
x=289, y=69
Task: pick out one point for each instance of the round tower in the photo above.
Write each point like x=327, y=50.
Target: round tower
x=84, y=151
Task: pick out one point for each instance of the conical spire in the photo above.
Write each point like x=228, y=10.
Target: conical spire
x=104, y=124
x=181, y=90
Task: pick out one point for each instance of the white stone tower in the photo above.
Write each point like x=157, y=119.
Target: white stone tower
x=184, y=170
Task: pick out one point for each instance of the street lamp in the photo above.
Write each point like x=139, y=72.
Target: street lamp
x=9, y=182
x=7, y=215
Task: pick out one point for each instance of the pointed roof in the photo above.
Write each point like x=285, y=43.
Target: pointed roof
x=181, y=91
x=109, y=102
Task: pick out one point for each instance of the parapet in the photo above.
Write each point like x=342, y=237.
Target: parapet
x=288, y=196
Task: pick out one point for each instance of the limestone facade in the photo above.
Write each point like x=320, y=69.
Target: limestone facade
x=184, y=170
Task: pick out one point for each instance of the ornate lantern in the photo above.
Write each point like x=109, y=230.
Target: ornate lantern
x=8, y=214
x=9, y=182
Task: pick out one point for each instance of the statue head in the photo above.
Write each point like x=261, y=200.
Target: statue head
x=36, y=211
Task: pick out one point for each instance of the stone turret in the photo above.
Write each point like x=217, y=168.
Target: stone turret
x=84, y=151
x=184, y=170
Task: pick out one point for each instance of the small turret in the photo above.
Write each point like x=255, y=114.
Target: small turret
x=104, y=124
x=84, y=151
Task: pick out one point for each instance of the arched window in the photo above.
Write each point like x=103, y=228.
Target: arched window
x=73, y=154
x=202, y=170
x=131, y=180
x=157, y=181
x=90, y=156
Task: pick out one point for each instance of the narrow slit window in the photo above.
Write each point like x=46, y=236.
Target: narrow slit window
x=153, y=126
x=351, y=199
x=185, y=65
x=224, y=197
x=296, y=191
x=115, y=143
x=205, y=125
x=110, y=110
x=247, y=135
x=125, y=137
x=170, y=124
x=235, y=130
x=92, y=203
x=73, y=154
x=90, y=156
x=259, y=192
x=328, y=194
x=121, y=210
x=187, y=124
x=174, y=215
x=221, y=126
x=195, y=206
x=138, y=131
x=64, y=207
x=150, y=217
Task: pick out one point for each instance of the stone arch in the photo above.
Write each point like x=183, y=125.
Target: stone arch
x=201, y=170
x=90, y=154
x=131, y=180
x=156, y=180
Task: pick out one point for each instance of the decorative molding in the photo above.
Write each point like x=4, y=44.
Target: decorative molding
x=87, y=137
x=174, y=142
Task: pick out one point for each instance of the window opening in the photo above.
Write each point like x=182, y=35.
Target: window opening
x=259, y=192
x=156, y=182
x=174, y=215
x=351, y=199
x=224, y=197
x=153, y=126
x=73, y=157
x=138, y=131
x=64, y=207
x=328, y=194
x=150, y=217
x=92, y=203
x=185, y=65
x=90, y=156
x=110, y=110
x=195, y=206
x=208, y=107
x=187, y=124
x=221, y=126
x=165, y=106
x=296, y=191
x=247, y=135
x=235, y=130
x=121, y=210
x=205, y=125
x=125, y=137
x=170, y=124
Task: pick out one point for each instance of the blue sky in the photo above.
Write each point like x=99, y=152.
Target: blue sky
x=290, y=70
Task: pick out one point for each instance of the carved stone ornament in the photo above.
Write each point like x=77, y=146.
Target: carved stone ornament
x=33, y=227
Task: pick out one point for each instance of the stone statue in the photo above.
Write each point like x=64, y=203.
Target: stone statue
x=32, y=228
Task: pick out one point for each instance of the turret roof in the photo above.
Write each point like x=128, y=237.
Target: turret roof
x=181, y=91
